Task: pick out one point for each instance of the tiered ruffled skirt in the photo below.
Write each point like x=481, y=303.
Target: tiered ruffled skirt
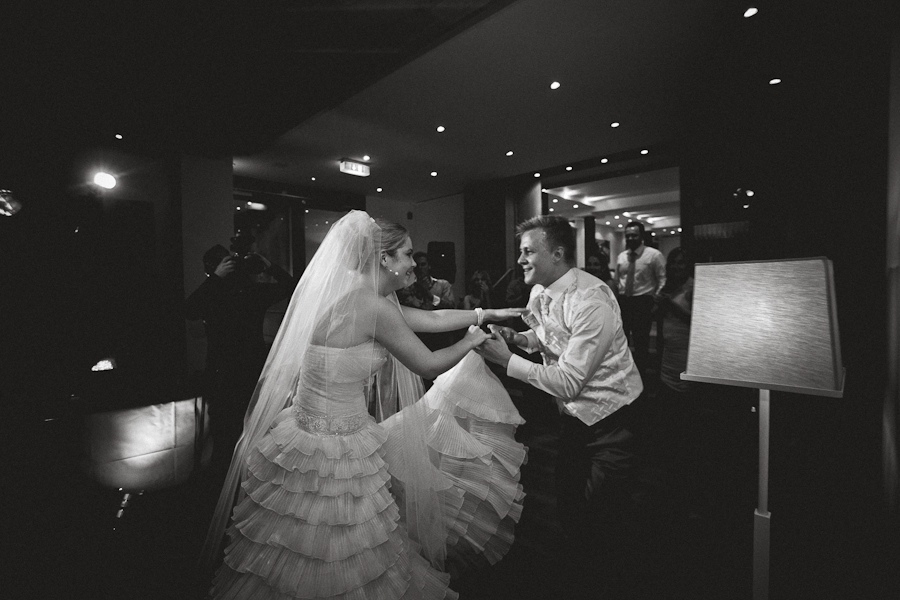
x=319, y=519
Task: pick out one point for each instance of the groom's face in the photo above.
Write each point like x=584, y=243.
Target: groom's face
x=537, y=260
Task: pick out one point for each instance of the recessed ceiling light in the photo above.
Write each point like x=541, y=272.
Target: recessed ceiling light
x=434, y=173
x=510, y=153
x=653, y=233
x=306, y=211
x=604, y=160
x=568, y=168
x=118, y=136
x=543, y=189
x=749, y=192
x=750, y=12
x=616, y=217
x=378, y=189
x=775, y=81
x=575, y=205
x=620, y=226
x=313, y=178
x=555, y=200
x=672, y=232
x=537, y=174
x=551, y=210
x=614, y=124
x=554, y=85
x=440, y=128
x=679, y=230
x=746, y=206
x=367, y=157
x=644, y=151
x=608, y=223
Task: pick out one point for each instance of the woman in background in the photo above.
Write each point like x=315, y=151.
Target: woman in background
x=478, y=294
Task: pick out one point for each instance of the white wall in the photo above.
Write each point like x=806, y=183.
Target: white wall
x=438, y=220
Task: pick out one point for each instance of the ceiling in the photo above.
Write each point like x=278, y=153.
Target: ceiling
x=489, y=87
x=288, y=88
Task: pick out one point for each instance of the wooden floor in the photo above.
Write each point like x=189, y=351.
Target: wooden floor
x=71, y=541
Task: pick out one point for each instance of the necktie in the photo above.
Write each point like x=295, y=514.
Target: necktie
x=545, y=304
x=629, y=278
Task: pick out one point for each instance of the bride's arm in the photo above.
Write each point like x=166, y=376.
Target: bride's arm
x=392, y=331
x=432, y=321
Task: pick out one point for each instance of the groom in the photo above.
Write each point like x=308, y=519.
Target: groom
x=587, y=368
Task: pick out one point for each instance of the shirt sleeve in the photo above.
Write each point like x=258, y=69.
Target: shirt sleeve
x=593, y=331
x=448, y=300
x=659, y=264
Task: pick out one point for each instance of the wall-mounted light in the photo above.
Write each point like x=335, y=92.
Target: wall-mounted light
x=104, y=180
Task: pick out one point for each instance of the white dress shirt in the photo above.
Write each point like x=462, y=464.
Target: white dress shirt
x=587, y=364
x=649, y=271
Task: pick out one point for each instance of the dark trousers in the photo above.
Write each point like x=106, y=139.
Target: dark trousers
x=637, y=319
x=593, y=467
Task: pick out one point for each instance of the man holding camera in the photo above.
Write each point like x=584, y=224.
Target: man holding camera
x=232, y=304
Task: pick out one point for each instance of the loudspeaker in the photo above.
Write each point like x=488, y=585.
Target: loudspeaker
x=442, y=258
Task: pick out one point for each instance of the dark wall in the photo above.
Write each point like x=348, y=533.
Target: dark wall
x=814, y=151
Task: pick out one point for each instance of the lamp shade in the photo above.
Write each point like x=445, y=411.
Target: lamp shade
x=767, y=325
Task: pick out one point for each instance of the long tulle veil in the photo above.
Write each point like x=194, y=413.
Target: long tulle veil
x=322, y=307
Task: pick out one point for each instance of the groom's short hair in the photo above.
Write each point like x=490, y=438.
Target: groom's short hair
x=558, y=230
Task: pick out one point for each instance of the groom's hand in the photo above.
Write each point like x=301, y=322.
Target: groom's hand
x=495, y=350
x=507, y=334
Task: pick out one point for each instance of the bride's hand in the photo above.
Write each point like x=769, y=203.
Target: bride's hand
x=476, y=336
x=501, y=314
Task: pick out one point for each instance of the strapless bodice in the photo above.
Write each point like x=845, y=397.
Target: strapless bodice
x=330, y=395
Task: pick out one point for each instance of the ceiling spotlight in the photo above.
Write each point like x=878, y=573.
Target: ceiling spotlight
x=105, y=180
x=620, y=226
x=604, y=160
x=746, y=206
x=679, y=230
x=306, y=211
x=672, y=232
x=644, y=151
x=367, y=157
x=440, y=128
x=543, y=189
x=614, y=124
x=750, y=12
x=312, y=178
x=118, y=136
x=554, y=85
x=568, y=168
x=434, y=173
x=510, y=153
x=575, y=205
x=555, y=200
x=537, y=174
x=775, y=81
x=608, y=223
x=653, y=233
x=749, y=192
x=378, y=189
x=616, y=217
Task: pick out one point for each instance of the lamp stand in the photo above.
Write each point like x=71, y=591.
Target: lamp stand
x=762, y=516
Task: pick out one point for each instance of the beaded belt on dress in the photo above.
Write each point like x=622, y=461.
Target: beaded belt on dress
x=329, y=426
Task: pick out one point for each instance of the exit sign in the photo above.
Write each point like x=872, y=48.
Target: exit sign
x=354, y=168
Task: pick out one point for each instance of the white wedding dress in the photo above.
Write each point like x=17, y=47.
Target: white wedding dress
x=320, y=518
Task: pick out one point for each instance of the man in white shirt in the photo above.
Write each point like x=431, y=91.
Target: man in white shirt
x=587, y=368
x=640, y=275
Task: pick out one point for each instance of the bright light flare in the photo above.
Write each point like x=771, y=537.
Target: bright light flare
x=105, y=180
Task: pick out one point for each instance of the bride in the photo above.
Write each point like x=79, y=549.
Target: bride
x=329, y=503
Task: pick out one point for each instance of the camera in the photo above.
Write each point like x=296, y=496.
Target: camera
x=246, y=262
